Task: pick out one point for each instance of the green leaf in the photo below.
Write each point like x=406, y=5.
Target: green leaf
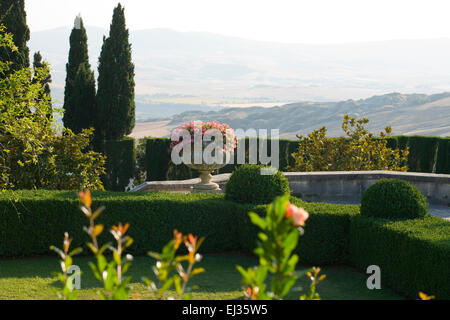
x=75, y=251
x=117, y=258
x=197, y=271
x=177, y=282
x=257, y=220
x=94, y=269
x=101, y=263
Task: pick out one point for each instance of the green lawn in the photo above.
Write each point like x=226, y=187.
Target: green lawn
x=32, y=279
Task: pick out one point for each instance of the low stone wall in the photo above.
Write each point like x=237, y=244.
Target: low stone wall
x=340, y=186
x=348, y=186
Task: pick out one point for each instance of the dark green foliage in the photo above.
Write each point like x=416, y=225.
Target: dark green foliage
x=428, y=154
x=83, y=98
x=157, y=155
x=325, y=240
x=115, y=97
x=413, y=255
x=120, y=164
x=159, y=167
x=248, y=185
x=158, y=162
x=443, y=156
x=422, y=155
x=14, y=18
x=79, y=92
x=140, y=169
x=393, y=198
x=45, y=216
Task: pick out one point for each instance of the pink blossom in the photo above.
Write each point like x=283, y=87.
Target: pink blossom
x=298, y=215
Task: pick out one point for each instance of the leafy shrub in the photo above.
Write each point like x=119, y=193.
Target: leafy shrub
x=393, y=198
x=248, y=185
x=33, y=154
x=359, y=151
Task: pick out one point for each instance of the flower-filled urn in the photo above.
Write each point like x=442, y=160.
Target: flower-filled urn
x=205, y=147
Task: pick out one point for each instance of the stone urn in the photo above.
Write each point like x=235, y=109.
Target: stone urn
x=205, y=169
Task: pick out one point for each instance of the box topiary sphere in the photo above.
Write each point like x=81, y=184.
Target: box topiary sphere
x=248, y=185
x=393, y=198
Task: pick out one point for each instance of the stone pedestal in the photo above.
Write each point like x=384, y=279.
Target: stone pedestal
x=205, y=185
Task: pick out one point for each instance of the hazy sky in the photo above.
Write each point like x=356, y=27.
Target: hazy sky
x=293, y=21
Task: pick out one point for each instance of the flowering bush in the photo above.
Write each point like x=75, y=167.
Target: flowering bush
x=360, y=150
x=280, y=231
x=188, y=133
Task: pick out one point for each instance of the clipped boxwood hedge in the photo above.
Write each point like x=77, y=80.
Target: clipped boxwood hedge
x=248, y=184
x=40, y=219
x=393, y=198
x=413, y=255
x=44, y=216
x=325, y=240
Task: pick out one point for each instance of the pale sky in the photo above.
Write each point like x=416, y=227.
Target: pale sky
x=289, y=21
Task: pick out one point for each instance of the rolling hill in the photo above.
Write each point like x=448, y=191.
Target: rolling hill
x=407, y=114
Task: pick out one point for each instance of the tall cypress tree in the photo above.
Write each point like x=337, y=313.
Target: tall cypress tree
x=84, y=98
x=14, y=18
x=115, y=96
x=79, y=92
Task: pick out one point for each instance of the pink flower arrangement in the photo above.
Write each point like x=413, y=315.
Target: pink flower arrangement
x=197, y=129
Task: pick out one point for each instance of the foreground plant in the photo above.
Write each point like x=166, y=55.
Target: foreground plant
x=280, y=230
x=112, y=273
x=169, y=269
x=68, y=291
x=424, y=296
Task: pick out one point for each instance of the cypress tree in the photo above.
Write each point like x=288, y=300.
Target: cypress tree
x=84, y=98
x=14, y=18
x=115, y=96
x=79, y=92
x=39, y=64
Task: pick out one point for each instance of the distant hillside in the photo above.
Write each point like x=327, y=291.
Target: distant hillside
x=408, y=114
x=210, y=65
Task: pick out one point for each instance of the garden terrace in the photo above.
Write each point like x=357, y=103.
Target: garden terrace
x=413, y=255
